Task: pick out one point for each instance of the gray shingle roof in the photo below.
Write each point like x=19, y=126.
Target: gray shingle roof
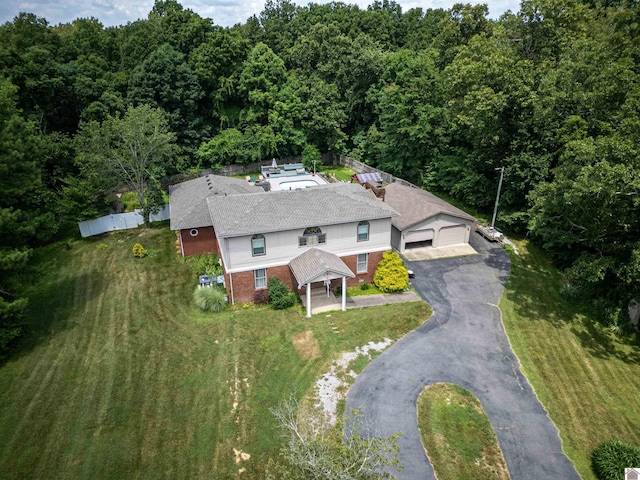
x=315, y=265
x=265, y=212
x=188, y=199
x=416, y=205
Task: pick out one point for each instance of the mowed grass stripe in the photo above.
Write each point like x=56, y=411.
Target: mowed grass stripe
x=588, y=379
x=127, y=379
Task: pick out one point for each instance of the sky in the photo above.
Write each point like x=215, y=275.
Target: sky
x=225, y=13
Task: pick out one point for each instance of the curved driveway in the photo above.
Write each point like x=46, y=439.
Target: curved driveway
x=462, y=343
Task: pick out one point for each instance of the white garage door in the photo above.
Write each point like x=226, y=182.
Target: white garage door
x=418, y=236
x=451, y=235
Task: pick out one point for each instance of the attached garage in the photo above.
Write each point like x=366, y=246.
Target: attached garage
x=425, y=220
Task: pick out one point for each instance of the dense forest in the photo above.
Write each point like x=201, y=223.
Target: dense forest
x=441, y=98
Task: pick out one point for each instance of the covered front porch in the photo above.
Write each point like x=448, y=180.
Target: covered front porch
x=314, y=270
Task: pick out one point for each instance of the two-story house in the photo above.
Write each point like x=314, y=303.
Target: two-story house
x=320, y=236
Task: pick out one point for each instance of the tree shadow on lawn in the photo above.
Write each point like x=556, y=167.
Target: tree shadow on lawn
x=604, y=344
x=48, y=312
x=533, y=290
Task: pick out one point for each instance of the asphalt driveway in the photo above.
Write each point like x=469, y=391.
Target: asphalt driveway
x=463, y=343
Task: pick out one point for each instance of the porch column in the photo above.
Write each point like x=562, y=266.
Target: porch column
x=344, y=293
x=308, y=299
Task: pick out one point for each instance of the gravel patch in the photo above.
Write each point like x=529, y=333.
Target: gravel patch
x=330, y=388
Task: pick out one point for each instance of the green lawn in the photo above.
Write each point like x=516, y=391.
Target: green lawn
x=338, y=171
x=458, y=436
x=588, y=379
x=125, y=378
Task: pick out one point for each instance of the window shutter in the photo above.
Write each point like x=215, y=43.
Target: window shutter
x=302, y=241
x=322, y=238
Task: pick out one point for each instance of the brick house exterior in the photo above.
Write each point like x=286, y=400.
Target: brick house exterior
x=259, y=234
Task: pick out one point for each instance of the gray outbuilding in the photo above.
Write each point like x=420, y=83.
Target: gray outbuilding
x=425, y=220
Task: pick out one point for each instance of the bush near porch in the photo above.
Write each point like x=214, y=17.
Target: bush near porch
x=391, y=274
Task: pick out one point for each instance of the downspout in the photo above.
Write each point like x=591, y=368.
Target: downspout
x=181, y=244
x=231, y=288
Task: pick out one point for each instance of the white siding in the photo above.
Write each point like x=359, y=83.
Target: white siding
x=282, y=247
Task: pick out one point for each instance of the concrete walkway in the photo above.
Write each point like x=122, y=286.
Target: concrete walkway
x=463, y=343
x=382, y=299
x=321, y=303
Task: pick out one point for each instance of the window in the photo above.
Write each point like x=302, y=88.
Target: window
x=260, y=278
x=363, y=262
x=363, y=231
x=312, y=236
x=194, y=232
x=258, y=245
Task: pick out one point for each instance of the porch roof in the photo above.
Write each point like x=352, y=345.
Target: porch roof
x=316, y=265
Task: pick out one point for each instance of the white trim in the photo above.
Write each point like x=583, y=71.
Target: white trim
x=281, y=264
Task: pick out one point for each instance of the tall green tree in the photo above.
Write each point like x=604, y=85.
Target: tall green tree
x=135, y=150
x=411, y=127
x=22, y=220
x=165, y=80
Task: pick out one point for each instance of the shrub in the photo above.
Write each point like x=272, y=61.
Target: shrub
x=139, y=251
x=610, y=458
x=391, y=275
x=130, y=201
x=280, y=297
x=261, y=297
x=210, y=299
x=206, y=264
x=309, y=154
x=365, y=286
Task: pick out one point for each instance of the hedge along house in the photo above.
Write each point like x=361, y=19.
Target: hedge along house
x=321, y=237
x=425, y=220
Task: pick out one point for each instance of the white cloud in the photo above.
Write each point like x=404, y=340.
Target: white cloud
x=222, y=12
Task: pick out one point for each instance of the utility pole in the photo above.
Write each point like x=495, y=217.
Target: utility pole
x=495, y=209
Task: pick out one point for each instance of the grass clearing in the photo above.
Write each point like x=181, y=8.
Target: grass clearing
x=458, y=436
x=339, y=172
x=587, y=378
x=126, y=378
